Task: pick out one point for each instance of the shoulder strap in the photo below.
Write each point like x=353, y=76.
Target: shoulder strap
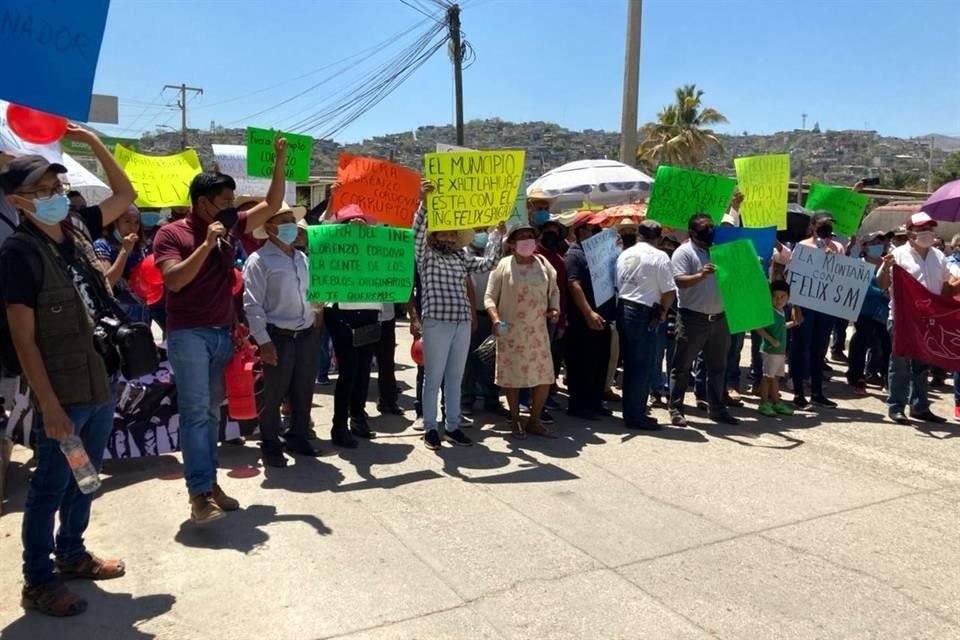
x=8, y=221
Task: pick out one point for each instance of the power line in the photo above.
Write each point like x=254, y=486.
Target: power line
x=418, y=9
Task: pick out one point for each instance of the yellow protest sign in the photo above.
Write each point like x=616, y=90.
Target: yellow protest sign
x=764, y=183
x=160, y=181
x=472, y=188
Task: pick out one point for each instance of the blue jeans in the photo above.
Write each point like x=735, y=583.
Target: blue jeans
x=323, y=355
x=198, y=357
x=445, y=349
x=53, y=488
x=906, y=381
x=638, y=344
x=662, y=359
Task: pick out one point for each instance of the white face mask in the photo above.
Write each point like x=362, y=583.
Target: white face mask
x=925, y=239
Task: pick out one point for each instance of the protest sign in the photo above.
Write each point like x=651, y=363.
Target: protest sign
x=75, y=148
x=928, y=324
x=830, y=283
x=763, y=239
x=743, y=287
x=232, y=160
x=160, y=181
x=359, y=263
x=764, y=182
x=519, y=214
x=260, y=154
x=679, y=193
x=601, y=251
x=388, y=192
x=847, y=206
x=472, y=188
x=57, y=46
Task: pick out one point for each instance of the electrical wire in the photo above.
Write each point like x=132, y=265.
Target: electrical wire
x=142, y=113
x=418, y=9
x=377, y=47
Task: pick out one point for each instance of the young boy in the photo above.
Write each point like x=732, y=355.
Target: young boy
x=773, y=351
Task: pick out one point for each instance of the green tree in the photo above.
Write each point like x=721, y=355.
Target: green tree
x=948, y=172
x=680, y=136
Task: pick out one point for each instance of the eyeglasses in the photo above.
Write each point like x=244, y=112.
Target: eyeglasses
x=44, y=192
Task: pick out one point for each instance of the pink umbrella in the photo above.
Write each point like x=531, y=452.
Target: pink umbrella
x=944, y=204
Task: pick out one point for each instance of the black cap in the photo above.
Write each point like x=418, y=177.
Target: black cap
x=26, y=171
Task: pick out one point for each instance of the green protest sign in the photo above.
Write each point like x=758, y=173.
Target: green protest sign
x=743, y=287
x=764, y=182
x=260, y=154
x=357, y=263
x=846, y=206
x=679, y=193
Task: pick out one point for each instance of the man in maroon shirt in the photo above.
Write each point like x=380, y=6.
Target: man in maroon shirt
x=196, y=256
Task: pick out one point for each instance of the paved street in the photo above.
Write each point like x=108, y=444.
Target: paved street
x=824, y=525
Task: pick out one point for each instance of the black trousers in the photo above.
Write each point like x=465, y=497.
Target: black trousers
x=292, y=378
x=353, y=363
x=867, y=333
x=386, y=363
x=588, y=352
x=696, y=333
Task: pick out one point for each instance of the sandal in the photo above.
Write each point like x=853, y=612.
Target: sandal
x=537, y=429
x=90, y=567
x=519, y=432
x=52, y=599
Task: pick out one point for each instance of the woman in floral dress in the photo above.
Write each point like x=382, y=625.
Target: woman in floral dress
x=522, y=298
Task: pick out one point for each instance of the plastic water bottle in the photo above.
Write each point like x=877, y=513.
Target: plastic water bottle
x=84, y=473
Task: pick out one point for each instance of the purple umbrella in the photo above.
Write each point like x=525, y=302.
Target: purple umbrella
x=944, y=204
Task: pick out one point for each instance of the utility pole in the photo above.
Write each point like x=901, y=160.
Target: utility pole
x=453, y=23
x=930, y=168
x=804, y=125
x=631, y=85
x=182, y=103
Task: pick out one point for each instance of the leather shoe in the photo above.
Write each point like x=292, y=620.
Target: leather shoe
x=309, y=448
x=899, y=417
x=928, y=416
x=647, y=424
x=724, y=418
x=677, y=419
x=360, y=428
x=343, y=438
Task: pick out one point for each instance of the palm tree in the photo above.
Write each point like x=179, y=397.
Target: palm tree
x=678, y=137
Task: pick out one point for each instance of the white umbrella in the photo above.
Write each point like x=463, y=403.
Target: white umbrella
x=606, y=182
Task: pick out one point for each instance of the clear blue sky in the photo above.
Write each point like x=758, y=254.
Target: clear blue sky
x=880, y=64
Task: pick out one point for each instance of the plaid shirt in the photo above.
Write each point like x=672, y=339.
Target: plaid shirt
x=444, y=276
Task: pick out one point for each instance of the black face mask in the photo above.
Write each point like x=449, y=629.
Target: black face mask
x=629, y=240
x=227, y=217
x=446, y=248
x=550, y=240
x=704, y=236
x=825, y=231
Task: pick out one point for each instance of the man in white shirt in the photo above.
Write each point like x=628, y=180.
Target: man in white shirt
x=284, y=324
x=646, y=290
x=907, y=379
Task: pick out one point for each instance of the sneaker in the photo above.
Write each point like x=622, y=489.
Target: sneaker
x=458, y=438
x=956, y=412
x=823, y=401
x=860, y=389
x=324, y=381
x=546, y=417
x=204, y=510
x=677, y=419
x=766, y=409
x=927, y=416
x=466, y=409
x=224, y=501
x=524, y=408
x=432, y=439
x=418, y=424
x=783, y=408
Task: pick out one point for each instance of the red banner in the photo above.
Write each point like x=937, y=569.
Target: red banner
x=926, y=325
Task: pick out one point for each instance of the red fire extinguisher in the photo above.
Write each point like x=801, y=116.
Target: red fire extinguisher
x=240, y=378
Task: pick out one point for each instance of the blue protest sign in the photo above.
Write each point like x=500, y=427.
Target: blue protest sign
x=764, y=238
x=55, y=46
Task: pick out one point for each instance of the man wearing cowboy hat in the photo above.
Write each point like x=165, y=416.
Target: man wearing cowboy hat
x=928, y=266
x=538, y=207
x=283, y=323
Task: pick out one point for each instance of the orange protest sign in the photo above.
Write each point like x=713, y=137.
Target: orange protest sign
x=384, y=190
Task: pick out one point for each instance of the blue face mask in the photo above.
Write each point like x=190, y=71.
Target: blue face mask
x=541, y=216
x=480, y=240
x=52, y=210
x=150, y=219
x=287, y=232
x=874, y=250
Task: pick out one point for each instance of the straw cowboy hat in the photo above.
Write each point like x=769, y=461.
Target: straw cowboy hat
x=298, y=213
